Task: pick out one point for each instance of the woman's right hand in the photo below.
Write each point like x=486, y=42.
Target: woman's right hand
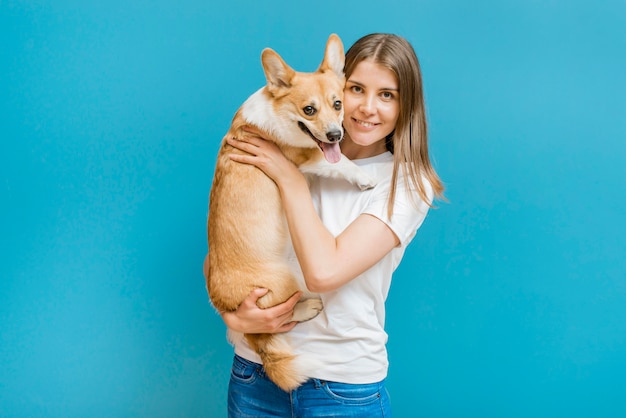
x=250, y=319
x=266, y=156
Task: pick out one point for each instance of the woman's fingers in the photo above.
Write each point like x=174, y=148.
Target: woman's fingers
x=253, y=133
x=286, y=308
x=287, y=327
x=279, y=317
x=249, y=318
x=242, y=145
x=255, y=295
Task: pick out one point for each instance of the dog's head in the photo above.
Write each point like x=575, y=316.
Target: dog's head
x=312, y=103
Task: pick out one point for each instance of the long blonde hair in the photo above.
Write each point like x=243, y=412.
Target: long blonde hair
x=409, y=141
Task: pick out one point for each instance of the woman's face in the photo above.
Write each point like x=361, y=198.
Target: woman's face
x=371, y=104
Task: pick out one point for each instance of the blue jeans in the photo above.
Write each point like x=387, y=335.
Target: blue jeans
x=252, y=394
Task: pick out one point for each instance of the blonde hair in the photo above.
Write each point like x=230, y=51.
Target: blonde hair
x=409, y=141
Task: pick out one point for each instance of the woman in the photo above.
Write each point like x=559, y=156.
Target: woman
x=347, y=242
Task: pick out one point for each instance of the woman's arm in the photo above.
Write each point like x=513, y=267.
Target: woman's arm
x=250, y=319
x=327, y=262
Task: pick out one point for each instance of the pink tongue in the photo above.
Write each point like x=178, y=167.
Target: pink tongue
x=332, y=152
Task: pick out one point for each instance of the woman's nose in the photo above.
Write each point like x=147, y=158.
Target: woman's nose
x=367, y=105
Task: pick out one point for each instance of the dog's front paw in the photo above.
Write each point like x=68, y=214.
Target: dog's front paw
x=307, y=309
x=366, y=183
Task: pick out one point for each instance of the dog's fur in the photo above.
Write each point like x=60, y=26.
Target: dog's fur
x=247, y=232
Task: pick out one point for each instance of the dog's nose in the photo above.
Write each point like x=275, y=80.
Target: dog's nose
x=334, y=136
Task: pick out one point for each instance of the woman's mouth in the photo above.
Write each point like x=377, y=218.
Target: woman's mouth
x=364, y=124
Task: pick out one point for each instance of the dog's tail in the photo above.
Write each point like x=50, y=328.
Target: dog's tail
x=284, y=368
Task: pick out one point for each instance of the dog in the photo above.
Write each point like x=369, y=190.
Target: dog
x=247, y=233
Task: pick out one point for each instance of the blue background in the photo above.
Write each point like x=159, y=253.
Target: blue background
x=510, y=302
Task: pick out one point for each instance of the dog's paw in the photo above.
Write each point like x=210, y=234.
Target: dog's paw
x=307, y=309
x=366, y=183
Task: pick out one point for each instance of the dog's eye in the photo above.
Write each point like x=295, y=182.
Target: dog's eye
x=309, y=110
x=337, y=105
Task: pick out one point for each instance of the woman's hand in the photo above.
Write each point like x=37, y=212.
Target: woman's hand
x=250, y=319
x=265, y=155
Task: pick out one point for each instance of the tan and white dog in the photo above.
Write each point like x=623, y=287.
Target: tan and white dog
x=247, y=233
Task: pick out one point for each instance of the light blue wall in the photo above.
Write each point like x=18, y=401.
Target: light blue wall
x=511, y=301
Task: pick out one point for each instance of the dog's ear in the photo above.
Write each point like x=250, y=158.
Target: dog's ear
x=334, y=58
x=277, y=72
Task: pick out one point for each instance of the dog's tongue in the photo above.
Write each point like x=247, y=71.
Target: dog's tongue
x=332, y=152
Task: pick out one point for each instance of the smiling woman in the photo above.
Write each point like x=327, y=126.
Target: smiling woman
x=331, y=229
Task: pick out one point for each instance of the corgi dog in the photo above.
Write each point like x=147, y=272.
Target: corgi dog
x=247, y=233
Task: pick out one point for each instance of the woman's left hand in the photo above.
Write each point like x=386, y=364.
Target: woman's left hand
x=265, y=155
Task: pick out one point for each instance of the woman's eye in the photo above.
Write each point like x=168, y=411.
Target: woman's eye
x=356, y=89
x=387, y=95
x=337, y=105
x=309, y=110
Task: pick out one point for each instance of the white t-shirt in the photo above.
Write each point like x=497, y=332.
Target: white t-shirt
x=348, y=338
